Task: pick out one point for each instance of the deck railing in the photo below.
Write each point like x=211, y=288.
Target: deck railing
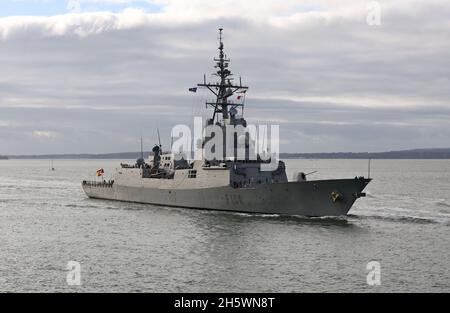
x=103, y=184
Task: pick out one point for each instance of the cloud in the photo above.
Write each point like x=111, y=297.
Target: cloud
x=44, y=134
x=332, y=82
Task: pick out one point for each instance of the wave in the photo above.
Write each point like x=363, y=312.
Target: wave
x=9, y=186
x=278, y=217
x=256, y=214
x=328, y=220
x=403, y=218
x=83, y=206
x=9, y=200
x=338, y=220
x=443, y=204
x=131, y=209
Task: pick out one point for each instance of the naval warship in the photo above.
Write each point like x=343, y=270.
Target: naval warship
x=230, y=182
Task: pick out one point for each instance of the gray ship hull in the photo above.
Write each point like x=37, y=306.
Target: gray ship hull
x=308, y=198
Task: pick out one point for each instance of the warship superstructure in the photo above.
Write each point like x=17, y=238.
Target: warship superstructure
x=230, y=181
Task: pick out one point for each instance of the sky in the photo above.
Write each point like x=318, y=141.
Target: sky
x=94, y=76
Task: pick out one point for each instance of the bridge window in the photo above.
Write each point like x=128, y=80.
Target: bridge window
x=192, y=174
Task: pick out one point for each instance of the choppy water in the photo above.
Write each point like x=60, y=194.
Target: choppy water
x=46, y=221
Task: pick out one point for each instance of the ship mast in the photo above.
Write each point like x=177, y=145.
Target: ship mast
x=225, y=88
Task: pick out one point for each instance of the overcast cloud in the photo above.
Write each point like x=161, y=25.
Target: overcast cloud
x=94, y=82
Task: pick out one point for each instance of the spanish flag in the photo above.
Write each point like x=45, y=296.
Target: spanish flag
x=100, y=172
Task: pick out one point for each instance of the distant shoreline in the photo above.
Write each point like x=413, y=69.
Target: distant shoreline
x=438, y=153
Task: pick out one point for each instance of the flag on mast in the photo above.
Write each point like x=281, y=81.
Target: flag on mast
x=242, y=94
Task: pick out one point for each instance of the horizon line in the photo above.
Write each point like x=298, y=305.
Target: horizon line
x=288, y=153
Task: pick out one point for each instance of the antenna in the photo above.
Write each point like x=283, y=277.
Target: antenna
x=264, y=139
x=220, y=34
x=142, y=149
x=159, y=138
